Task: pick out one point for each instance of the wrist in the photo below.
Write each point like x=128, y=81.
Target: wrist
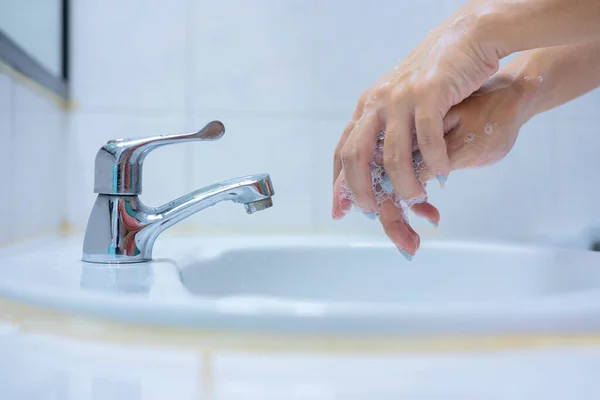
x=495, y=26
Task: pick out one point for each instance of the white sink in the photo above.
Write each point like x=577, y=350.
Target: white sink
x=318, y=284
x=376, y=274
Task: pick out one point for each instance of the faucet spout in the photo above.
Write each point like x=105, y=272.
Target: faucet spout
x=246, y=190
x=121, y=229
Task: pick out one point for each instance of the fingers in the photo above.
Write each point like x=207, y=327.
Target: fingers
x=340, y=206
x=465, y=147
x=451, y=123
x=397, y=156
x=397, y=229
x=430, y=136
x=337, y=156
x=428, y=211
x=357, y=155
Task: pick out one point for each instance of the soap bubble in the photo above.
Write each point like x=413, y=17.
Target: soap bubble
x=382, y=186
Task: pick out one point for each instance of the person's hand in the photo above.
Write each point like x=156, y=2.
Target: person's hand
x=479, y=131
x=392, y=218
x=410, y=101
x=482, y=129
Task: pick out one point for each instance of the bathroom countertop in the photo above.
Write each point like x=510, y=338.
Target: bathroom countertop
x=47, y=354
x=50, y=355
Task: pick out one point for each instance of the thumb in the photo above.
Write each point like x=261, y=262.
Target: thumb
x=452, y=121
x=340, y=205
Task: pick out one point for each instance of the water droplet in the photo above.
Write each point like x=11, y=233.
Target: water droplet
x=470, y=137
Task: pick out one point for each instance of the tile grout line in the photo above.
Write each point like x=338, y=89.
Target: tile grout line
x=188, y=164
x=314, y=143
x=66, y=136
x=12, y=132
x=275, y=115
x=555, y=201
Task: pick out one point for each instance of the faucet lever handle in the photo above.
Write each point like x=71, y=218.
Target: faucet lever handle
x=119, y=162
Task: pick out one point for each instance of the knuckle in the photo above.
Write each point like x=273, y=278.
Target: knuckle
x=361, y=104
x=378, y=92
x=391, y=159
x=337, y=157
x=398, y=96
x=350, y=155
x=348, y=129
x=426, y=85
x=425, y=120
x=419, y=87
x=363, y=98
x=427, y=140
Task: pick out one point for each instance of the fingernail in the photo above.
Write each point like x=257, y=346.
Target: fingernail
x=337, y=217
x=368, y=210
x=371, y=216
x=435, y=224
x=405, y=253
x=442, y=180
x=386, y=184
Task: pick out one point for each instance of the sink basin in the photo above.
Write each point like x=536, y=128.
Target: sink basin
x=376, y=274
x=317, y=284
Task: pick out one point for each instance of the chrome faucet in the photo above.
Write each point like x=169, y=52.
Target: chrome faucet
x=121, y=229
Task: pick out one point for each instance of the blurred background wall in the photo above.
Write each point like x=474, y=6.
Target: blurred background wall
x=283, y=76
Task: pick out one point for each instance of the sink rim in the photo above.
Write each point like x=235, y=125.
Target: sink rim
x=178, y=308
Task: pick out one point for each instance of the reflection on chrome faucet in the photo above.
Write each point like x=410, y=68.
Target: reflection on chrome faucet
x=121, y=229
x=136, y=279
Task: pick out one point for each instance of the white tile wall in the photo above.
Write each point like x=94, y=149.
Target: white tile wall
x=31, y=133
x=6, y=153
x=578, y=147
x=284, y=77
x=129, y=55
x=38, y=178
x=253, y=55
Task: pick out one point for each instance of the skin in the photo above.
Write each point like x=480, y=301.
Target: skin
x=470, y=92
x=535, y=82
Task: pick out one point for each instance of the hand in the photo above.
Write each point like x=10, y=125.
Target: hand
x=410, y=101
x=480, y=131
x=392, y=218
x=483, y=128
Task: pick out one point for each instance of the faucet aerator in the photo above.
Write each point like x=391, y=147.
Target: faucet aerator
x=259, y=205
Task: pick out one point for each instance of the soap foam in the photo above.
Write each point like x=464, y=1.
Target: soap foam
x=382, y=186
